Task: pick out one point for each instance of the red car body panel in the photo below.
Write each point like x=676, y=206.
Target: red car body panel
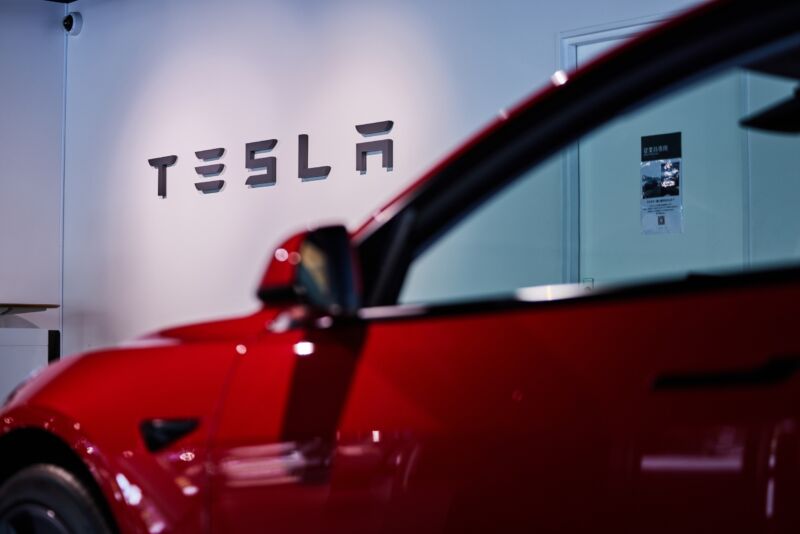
x=519, y=424
x=101, y=424
x=576, y=415
x=460, y=446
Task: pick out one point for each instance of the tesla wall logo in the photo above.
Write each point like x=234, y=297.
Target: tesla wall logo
x=264, y=169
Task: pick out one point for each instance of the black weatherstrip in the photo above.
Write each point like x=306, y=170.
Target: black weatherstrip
x=773, y=372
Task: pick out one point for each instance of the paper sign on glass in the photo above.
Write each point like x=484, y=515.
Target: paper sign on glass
x=662, y=184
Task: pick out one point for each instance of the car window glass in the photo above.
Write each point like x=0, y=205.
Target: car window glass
x=678, y=187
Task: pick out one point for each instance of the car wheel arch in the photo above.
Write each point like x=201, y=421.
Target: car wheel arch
x=30, y=446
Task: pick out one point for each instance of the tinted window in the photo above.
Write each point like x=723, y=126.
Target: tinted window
x=681, y=186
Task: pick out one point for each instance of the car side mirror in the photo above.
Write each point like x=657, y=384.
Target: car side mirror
x=315, y=268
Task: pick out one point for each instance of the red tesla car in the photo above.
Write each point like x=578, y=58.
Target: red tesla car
x=523, y=341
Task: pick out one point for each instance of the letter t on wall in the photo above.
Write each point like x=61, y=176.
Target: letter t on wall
x=161, y=164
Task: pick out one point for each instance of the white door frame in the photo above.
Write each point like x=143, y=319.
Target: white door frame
x=567, y=44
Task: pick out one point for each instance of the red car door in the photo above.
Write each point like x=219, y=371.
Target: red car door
x=507, y=421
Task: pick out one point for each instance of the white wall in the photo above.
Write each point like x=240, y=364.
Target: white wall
x=148, y=78
x=31, y=90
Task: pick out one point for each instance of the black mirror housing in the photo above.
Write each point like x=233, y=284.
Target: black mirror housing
x=315, y=268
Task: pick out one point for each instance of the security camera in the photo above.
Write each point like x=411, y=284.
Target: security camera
x=73, y=23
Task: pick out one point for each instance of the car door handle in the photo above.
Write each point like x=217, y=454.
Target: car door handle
x=772, y=372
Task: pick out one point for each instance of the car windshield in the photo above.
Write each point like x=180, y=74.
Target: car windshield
x=700, y=181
